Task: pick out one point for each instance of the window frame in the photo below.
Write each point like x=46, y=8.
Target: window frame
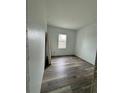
x=58, y=41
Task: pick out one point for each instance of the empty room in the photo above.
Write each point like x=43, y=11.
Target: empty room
x=61, y=46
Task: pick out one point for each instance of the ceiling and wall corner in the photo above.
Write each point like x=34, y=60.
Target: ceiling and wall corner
x=81, y=16
x=71, y=14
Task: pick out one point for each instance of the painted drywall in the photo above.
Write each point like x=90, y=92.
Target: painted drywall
x=86, y=43
x=36, y=26
x=71, y=14
x=53, y=37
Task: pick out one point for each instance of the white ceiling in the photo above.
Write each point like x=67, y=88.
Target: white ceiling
x=71, y=14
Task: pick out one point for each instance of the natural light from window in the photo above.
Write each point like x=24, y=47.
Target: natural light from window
x=62, y=41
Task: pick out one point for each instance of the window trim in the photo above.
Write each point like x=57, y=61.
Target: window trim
x=58, y=40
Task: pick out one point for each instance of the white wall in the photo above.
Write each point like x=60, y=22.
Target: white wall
x=87, y=43
x=71, y=38
x=36, y=26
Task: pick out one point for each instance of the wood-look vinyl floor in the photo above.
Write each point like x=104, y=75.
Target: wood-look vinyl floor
x=68, y=75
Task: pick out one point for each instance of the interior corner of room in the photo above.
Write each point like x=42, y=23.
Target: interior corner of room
x=46, y=21
x=81, y=42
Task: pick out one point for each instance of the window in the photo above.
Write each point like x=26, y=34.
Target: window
x=62, y=41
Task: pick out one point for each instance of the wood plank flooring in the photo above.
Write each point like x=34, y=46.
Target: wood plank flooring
x=68, y=75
